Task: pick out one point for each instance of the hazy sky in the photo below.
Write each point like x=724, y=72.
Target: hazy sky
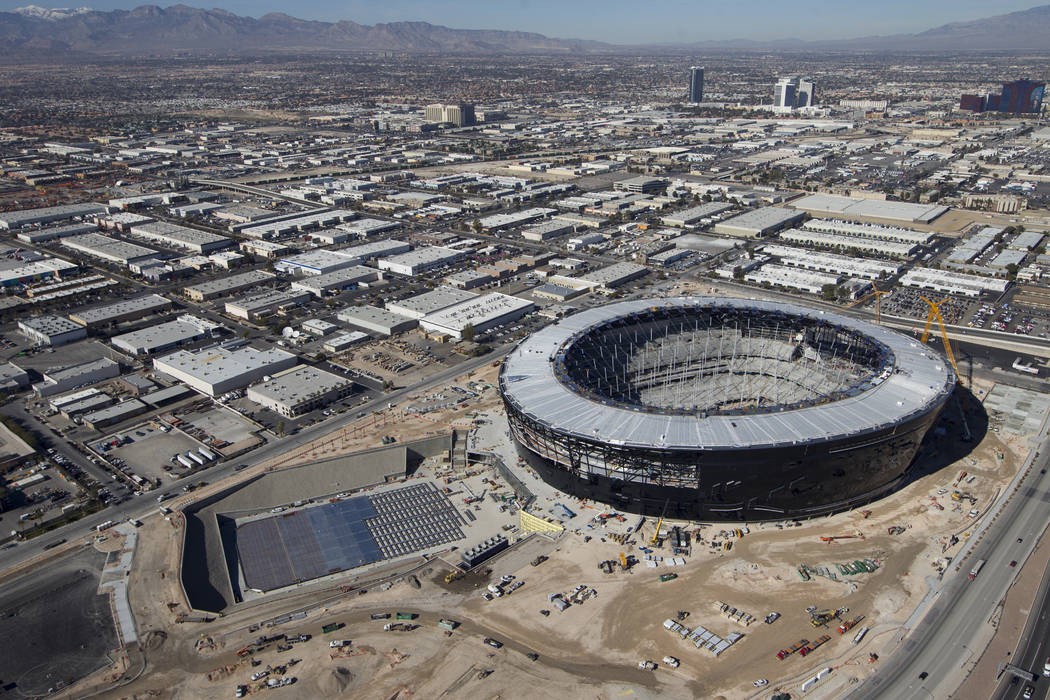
x=631, y=21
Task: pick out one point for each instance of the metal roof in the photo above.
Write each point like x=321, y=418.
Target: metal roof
x=919, y=381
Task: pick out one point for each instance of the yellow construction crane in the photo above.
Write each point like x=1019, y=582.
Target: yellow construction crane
x=878, y=302
x=656, y=534
x=935, y=315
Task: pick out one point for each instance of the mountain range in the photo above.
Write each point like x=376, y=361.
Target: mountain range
x=154, y=30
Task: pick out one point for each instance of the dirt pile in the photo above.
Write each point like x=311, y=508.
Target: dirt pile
x=334, y=682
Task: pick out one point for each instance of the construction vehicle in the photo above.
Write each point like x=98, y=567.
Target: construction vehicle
x=656, y=533
x=936, y=505
x=812, y=646
x=538, y=560
x=668, y=577
x=849, y=624
x=454, y=576
x=820, y=618
x=866, y=514
x=832, y=538
x=623, y=560
x=895, y=530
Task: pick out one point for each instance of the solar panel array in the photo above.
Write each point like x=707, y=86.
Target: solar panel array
x=301, y=545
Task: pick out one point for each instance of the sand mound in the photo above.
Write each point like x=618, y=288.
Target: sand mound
x=335, y=682
x=154, y=640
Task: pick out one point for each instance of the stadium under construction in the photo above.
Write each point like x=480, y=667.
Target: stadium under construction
x=722, y=409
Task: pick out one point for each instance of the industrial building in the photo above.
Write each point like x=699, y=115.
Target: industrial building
x=17, y=272
x=317, y=262
x=862, y=209
x=300, y=390
x=864, y=268
x=547, y=230
x=224, y=286
x=482, y=313
x=107, y=248
x=876, y=231
x=420, y=260
x=377, y=249
x=696, y=215
x=375, y=320
x=55, y=232
x=856, y=244
x=124, y=310
x=266, y=303
x=953, y=282
x=13, y=378
x=429, y=302
x=63, y=379
x=283, y=226
x=111, y=415
x=791, y=278
x=217, y=370
x=721, y=409
x=336, y=281
x=758, y=223
x=498, y=222
x=344, y=341
x=45, y=215
x=51, y=330
x=165, y=336
x=181, y=237
x=363, y=228
x=615, y=275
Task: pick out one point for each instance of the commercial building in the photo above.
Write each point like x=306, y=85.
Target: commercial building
x=420, y=260
x=429, y=302
x=17, y=272
x=696, y=85
x=611, y=404
x=63, y=379
x=319, y=327
x=458, y=114
x=269, y=250
x=793, y=93
x=124, y=310
x=317, y=262
x=217, y=370
x=468, y=279
x=1017, y=97
x=375, y=320
x=953, y=282
x=345, y=278
x=344, y=341
x=547, y=230
x=642, y=185
x=51, y=330
x=181, y=237
x=614, y=275
x=482, y=313
x=696, y=215
x=45, y=215
x=107, y=248
x=758, y=222
x=300, y=390
x=165, y=336
x=266, y=303
x=224, y=286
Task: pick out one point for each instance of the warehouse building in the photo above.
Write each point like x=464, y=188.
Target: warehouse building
x=266, y=303
x=300, y=390
x=111, y=415
x=181, y=237
x=614, y=275
x=696, y=215
x=337, y=281
x=165, y=336
x=1008, y=257
x=1026, y=240
x=63, y=379
x=217, y=370
x=876, y=231
x=791, y=278
x=498, y=222
x=420, y=260
x=468, y=279
x=482, y=313
x=860, y=208
x=429, y=302
x=80, y=402
x=316, y=262
x=13, y=377
x=344, y=341
x=224, y=286
x=56, y=232
x=319, y=327
x=107, y=248
x=17, y=272
x=363, y=228
x=758, y=223
x=865, y=268
x=854, y=244
x=375, y=320
x=547, y=230
x=297, y=224
x=965, y=251
x=45, y=215
x=268, y=250
x=51, y=330
x=953, y=282
x=557, y=292
x=377, y=249
x=124, y=310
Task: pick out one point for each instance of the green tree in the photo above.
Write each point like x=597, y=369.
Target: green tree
x=738, y=274
x=280, y=428
x=828, y=292
x=468, y=332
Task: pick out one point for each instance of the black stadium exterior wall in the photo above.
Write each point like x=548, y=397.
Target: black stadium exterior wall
x=792, y=481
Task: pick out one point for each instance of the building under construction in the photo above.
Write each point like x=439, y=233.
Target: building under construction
x=716, y=408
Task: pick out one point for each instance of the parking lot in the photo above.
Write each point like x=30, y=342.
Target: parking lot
x=147, y=451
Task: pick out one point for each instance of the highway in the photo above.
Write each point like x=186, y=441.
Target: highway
x=140, y=506
x=940, y=645
x=1033, y=648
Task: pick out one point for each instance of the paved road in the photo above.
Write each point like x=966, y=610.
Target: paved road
x=945, y=641
x=142, y=505
x=1033, y=648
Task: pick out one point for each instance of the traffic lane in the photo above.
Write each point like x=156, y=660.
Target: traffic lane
x=941, y=642
x=1034, y=654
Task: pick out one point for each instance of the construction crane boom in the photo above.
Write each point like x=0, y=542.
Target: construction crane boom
x=935, y=315
x=878, y=302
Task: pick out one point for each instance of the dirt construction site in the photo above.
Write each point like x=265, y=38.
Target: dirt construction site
x=867, y=569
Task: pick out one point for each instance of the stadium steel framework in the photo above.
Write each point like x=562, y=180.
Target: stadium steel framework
x=715, y=408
